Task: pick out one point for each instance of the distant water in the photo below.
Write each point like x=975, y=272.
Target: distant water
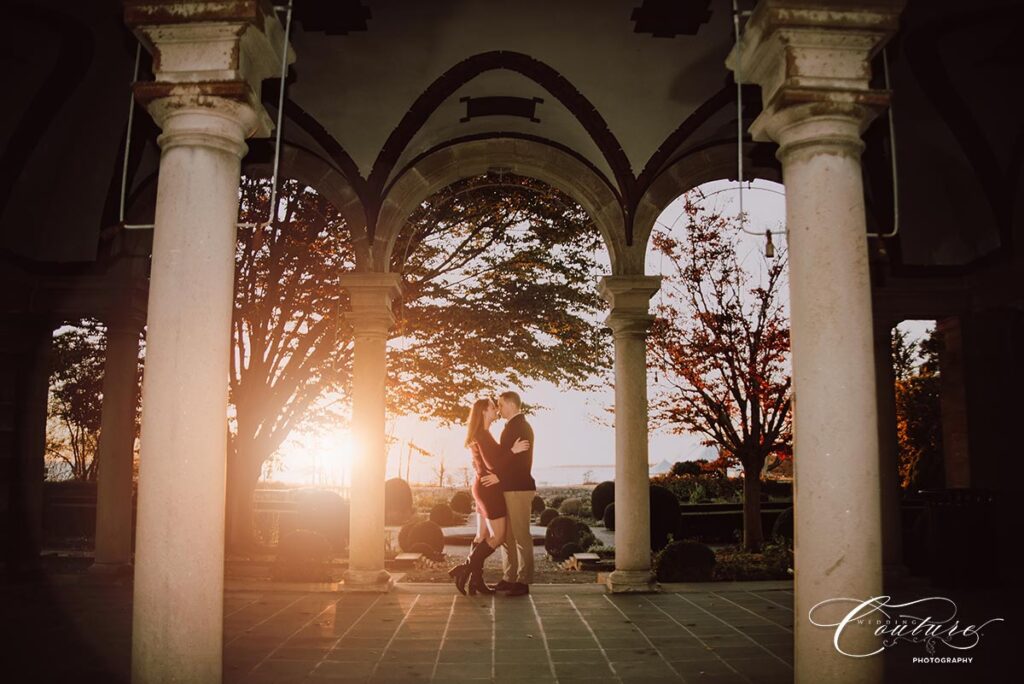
x=572, y=475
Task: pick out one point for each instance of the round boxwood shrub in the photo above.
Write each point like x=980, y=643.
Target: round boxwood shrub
x=609, y=516
x=664, y=516
x=403, y=535
x=443, y=515
x=426, y=532
x=547, y=516
x=563, y=530
x=397, y=501
x=303, y=556
x=569, y=549
x=684, y=561
x=537, y=506
x=783, y=527
x=571, y=507
x=462, y=502
x=556, y=501
x=602, y=496
x=321, y=511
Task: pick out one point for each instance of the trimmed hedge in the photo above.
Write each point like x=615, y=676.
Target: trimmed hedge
x=572, y=506
x=462, y=502
x=563, y=530
x=397, y=501
x=664, y=508
x=537, y=506
x=321, y=511
x=609, y=516
x=423, y=532
x=684, y=561
x=547, y=516
x=602, y=496
x=443, y=515
x=303, y=556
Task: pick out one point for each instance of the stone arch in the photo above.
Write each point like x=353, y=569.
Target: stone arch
x=702, y=166
x=298, y=163
x=524, y=157
x=306, y=167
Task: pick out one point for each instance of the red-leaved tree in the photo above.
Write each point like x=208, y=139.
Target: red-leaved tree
x=720, y=345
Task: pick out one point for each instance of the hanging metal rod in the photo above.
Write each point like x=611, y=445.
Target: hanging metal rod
x=272, y=210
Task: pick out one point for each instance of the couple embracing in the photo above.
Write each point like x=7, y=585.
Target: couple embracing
x=504, y=491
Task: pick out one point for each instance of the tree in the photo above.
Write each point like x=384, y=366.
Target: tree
x=722, y=347
x=75, y=409
x=919, y=413
x=76, y=399
x=498, y=291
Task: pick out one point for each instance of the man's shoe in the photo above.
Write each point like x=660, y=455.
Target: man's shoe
x=518, y=589
x=504, y=586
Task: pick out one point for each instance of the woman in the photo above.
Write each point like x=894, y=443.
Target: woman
x=488, y=456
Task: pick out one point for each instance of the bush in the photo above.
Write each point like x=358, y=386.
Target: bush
x=609, y=516
x=664, y=516
x=684, y=561
x=443, y=515
x=783, y=527
x=735, y=564
x=397, y=501
x=427, y=550
x=602, y=496
x=563, y=530
x=556, y=501
x=537, y=506
x=303, y=556
x=569, y=549
x=462, y=502
x=405, y=531
x=322, y=511
x=573, y=507
x=547, y=516
x=686, y=468
x=424, y=532
x=703, y=488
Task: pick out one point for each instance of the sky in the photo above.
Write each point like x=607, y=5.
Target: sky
x=573, y=433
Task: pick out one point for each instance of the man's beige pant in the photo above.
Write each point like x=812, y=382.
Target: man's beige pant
x=517, y=552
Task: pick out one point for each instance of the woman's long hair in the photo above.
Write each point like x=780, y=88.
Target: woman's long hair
x=476, y=420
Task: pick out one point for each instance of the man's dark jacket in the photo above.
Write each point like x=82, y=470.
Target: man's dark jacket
x=517, y=477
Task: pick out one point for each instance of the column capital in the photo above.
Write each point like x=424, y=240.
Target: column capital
x=629, y=298
x=813, y=64
x=208, y=57
x=371, y=295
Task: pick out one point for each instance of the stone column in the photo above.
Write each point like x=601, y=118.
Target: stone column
x=629, y=297
x=813, y=67
x=371, y=295
x=116, y=447
x=888, y=454
x=208, y=69
x=26, y=341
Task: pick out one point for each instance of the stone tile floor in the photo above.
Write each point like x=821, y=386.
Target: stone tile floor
x=553, y=635
x=726, y=632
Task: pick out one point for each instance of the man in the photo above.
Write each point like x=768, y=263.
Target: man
x=520, y=489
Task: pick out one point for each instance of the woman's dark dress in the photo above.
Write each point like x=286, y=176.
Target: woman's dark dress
x=489, y=456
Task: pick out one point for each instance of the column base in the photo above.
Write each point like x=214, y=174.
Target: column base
x=631, y=582
x=372, y=581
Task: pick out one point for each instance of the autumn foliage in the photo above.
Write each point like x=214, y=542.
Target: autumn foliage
x=720, y=346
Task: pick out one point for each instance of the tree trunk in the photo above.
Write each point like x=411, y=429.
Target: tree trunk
x=753, y=535
x=243, y=474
